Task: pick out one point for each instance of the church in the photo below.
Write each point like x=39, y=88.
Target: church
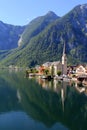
x=58, y=65
x=64, y=62
x=61, y=65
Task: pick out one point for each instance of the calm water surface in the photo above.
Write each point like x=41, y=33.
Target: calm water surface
x=35, y=104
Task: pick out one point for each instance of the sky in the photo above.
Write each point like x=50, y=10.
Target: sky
x=21, y=12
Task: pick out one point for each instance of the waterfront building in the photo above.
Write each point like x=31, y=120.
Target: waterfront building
x=81, y=70
x=54, y=67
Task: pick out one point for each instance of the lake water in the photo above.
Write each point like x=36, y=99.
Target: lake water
x=35, y=104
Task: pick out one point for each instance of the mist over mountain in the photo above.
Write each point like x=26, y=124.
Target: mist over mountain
x=43, y=38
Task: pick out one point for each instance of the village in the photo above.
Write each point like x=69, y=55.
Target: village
x=59, y=70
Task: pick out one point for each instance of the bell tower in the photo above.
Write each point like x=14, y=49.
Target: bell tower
x=64, y=62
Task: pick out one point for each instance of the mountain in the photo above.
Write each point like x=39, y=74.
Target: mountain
x=9, y=35
x=43, y=41
x=36, y=26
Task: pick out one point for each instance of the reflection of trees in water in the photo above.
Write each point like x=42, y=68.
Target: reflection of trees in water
x=8, y=99
x=47, y=106
x=58, y=103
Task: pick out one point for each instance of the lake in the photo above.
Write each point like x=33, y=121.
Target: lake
x=36, y=104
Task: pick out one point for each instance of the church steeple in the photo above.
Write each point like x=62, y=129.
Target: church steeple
x=64, y=49
x=64, y=62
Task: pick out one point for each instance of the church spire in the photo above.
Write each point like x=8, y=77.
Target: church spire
x=64, y=62
x=64, y=49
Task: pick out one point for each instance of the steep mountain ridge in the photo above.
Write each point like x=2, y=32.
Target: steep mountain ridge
x=45, y=43
x=36, y=26
x=9, y=36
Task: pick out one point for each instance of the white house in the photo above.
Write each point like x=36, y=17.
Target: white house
x=81, y=70
x=57, y=66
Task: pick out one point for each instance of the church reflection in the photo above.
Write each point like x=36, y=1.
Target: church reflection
x=63, y=93
x=58, y=86
x=49, y=102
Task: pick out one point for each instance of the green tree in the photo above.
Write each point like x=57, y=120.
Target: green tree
x=52, y=70
x=59, y=73
x=46, y=71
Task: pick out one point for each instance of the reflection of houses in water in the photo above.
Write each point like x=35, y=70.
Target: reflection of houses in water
x=60, y=87
x=62, y=97
x=44, y=83
x=79, y=89
x=13, y=68
x=56, y=86
x=63, y=93
x=38, y=79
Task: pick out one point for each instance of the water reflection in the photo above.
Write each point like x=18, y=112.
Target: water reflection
x=60, y=87
x=50, y=105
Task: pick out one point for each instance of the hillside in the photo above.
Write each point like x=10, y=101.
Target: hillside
x=45, y=43
x=36, y=26
x=9, y=36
